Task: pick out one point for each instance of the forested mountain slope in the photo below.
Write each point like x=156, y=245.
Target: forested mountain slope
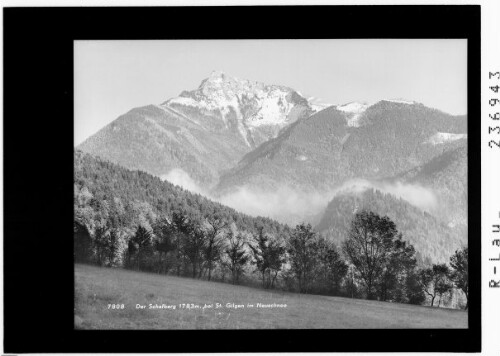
x=126, y=199
x=446, y=175
x=433, y=240
x=327, y=149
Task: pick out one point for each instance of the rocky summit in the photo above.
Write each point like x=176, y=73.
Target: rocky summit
x=204, y=131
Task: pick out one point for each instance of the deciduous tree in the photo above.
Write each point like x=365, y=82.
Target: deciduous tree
x=332, y=268
x=164, y=233
x=367, y=247
x=401, y=263
x=214, y=241
x=435, y=281
x=237, y=255
x=302, y=253
x=459, y=263
x=139, y=245
x=82, y=243
x=268, y=257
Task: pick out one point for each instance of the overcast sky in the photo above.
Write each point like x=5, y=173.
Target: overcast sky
x=112, y=77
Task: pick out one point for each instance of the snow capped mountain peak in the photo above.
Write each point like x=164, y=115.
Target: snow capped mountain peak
x=220, y=85
x=220, y=78
x=244, y=104
x=316, y=104
x=354, y=111
x=353, y=107
x=258, y=111
x=217, y=74
x=400, y=101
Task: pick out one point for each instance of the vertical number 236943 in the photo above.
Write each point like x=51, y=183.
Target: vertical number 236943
x=495, y=103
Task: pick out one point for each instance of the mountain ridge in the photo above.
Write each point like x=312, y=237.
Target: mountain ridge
x=392, y=139
x=203, y=132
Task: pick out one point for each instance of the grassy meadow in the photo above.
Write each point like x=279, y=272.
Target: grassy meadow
x=98, y=288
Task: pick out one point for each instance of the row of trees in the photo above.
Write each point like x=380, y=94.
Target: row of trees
x=106, y=194
x=374, y=261
x=387, y=266
x=439, y=280
x=430, y=237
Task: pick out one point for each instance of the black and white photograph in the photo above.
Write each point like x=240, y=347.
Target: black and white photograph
x=271, y=184
x=238, y=176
